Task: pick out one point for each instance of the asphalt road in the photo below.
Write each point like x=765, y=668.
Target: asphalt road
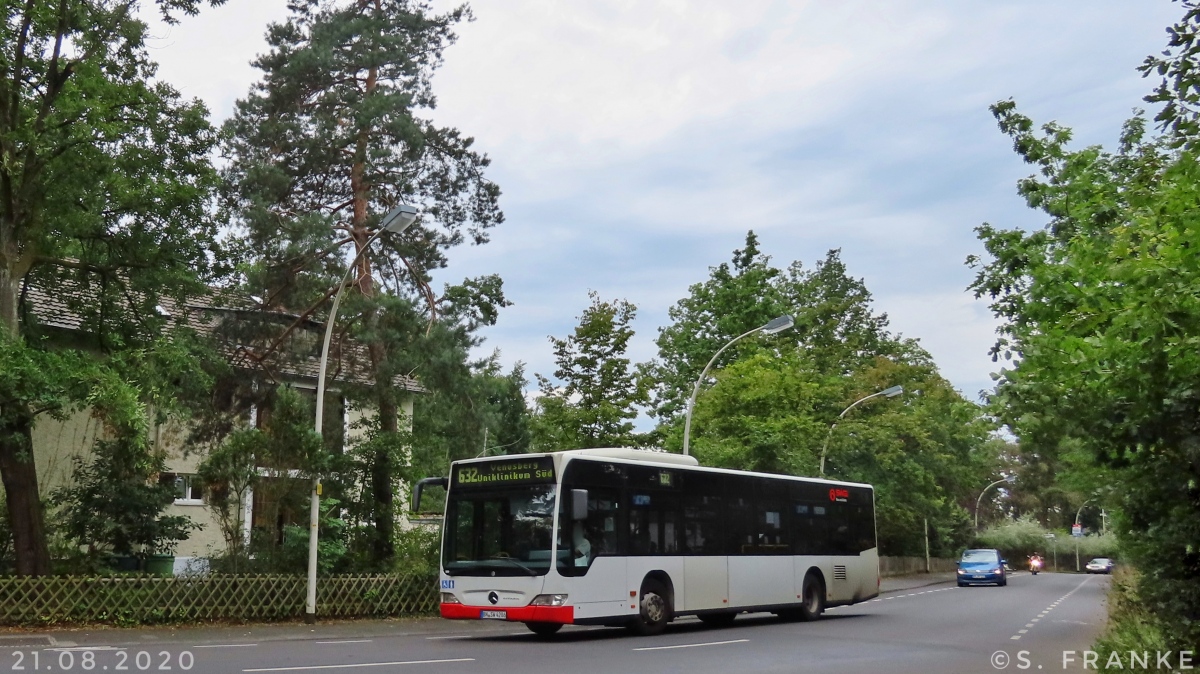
x=938, y=628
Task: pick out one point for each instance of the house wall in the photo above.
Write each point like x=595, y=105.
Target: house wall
x=355, y=433
x=57, y=442
x=207, y=540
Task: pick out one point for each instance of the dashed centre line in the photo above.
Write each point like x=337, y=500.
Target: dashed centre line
x=356, y=664
x=1049, y=608
x=707, y=643
x=224, y=645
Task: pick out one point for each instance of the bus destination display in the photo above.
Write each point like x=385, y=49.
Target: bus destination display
x=506, y=472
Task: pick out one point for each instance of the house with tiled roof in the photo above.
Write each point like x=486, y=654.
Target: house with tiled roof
x=283, y=351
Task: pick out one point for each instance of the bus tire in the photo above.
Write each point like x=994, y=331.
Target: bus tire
x=724, y=619
x=812, y=598
x=544, y=629
x=654, y=609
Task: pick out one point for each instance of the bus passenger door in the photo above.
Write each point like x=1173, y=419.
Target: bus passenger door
x=598, y=578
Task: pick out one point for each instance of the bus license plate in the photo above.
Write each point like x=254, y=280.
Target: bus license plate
x=494, y=615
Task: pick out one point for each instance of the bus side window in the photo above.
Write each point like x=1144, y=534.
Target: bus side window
x=601, y=521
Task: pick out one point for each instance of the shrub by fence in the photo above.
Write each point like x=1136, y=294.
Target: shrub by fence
x=133, y=600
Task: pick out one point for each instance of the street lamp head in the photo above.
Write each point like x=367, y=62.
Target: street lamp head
x=778, y=325
x=893, y=391
x=399, y=218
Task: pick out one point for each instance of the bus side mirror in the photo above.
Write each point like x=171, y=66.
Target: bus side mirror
x=420, y=486
x=579, y=499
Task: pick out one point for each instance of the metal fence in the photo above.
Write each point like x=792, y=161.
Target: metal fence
x=131, y=600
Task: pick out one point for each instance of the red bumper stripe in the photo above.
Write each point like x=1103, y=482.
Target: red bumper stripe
x=537, y=614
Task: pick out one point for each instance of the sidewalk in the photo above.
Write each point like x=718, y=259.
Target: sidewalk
x=900, y=583
x=218, y=633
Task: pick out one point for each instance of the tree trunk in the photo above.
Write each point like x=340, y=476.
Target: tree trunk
x=19, y=474
x=9, y=296
x=383, y=486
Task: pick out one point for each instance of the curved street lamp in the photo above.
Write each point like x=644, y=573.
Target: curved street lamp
x=890, y=392
x=773, y=326
x=397, y=220
x=979, y=501
x=1078, y=513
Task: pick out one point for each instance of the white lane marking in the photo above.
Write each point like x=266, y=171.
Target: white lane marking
x=1033, y=620
x=457, y=636
x=87, y=648
x=1029, y=624
x=708, y=643
x=1016, y=637
x=355, y=664
x=1022, y=631
x=224, y=645
x=348, y=641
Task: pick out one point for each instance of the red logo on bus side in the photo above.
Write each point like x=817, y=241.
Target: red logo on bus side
x=839, y=494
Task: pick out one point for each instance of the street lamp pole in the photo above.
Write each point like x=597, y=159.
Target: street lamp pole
x=891, y=392
x=979, y=501
x=397, y=220
x=775, y=325
x=1078, y=513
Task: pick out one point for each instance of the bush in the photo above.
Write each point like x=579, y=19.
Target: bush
x=1132, y=628
x=417, y=551
x=1017, y=540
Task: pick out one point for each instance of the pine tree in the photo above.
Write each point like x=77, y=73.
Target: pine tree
x=329, y=140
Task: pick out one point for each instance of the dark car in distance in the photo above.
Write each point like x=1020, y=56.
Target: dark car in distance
x=982, y=567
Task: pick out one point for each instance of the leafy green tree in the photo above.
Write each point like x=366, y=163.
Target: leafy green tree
x=600, y=391
x=114, y=503
x=738, y=296
x=328, y=141
x=771, y=403
x=1101, y=309
x=104, y=174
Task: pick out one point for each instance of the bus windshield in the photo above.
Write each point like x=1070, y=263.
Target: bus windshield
x=499, y=532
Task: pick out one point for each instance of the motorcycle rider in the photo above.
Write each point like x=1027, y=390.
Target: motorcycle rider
x=1035, y=562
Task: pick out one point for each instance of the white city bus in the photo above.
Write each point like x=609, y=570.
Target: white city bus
x=637, y=538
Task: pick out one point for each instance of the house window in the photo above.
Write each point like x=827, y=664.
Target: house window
x=188, y=489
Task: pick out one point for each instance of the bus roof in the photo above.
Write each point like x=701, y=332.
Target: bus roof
x=657, y=456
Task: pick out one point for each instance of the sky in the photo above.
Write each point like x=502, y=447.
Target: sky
x=636, y=143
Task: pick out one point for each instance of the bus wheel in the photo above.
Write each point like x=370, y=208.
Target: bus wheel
x=544, y=629
x=812, y=598
x=717, y=619
x=655, y=610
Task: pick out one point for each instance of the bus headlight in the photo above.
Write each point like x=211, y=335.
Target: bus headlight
x=449, y=598
x=549, y=600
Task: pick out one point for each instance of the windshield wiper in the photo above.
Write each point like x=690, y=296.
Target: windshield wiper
x=517, y=564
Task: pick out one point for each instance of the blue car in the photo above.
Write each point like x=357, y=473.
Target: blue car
x=981, y=567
